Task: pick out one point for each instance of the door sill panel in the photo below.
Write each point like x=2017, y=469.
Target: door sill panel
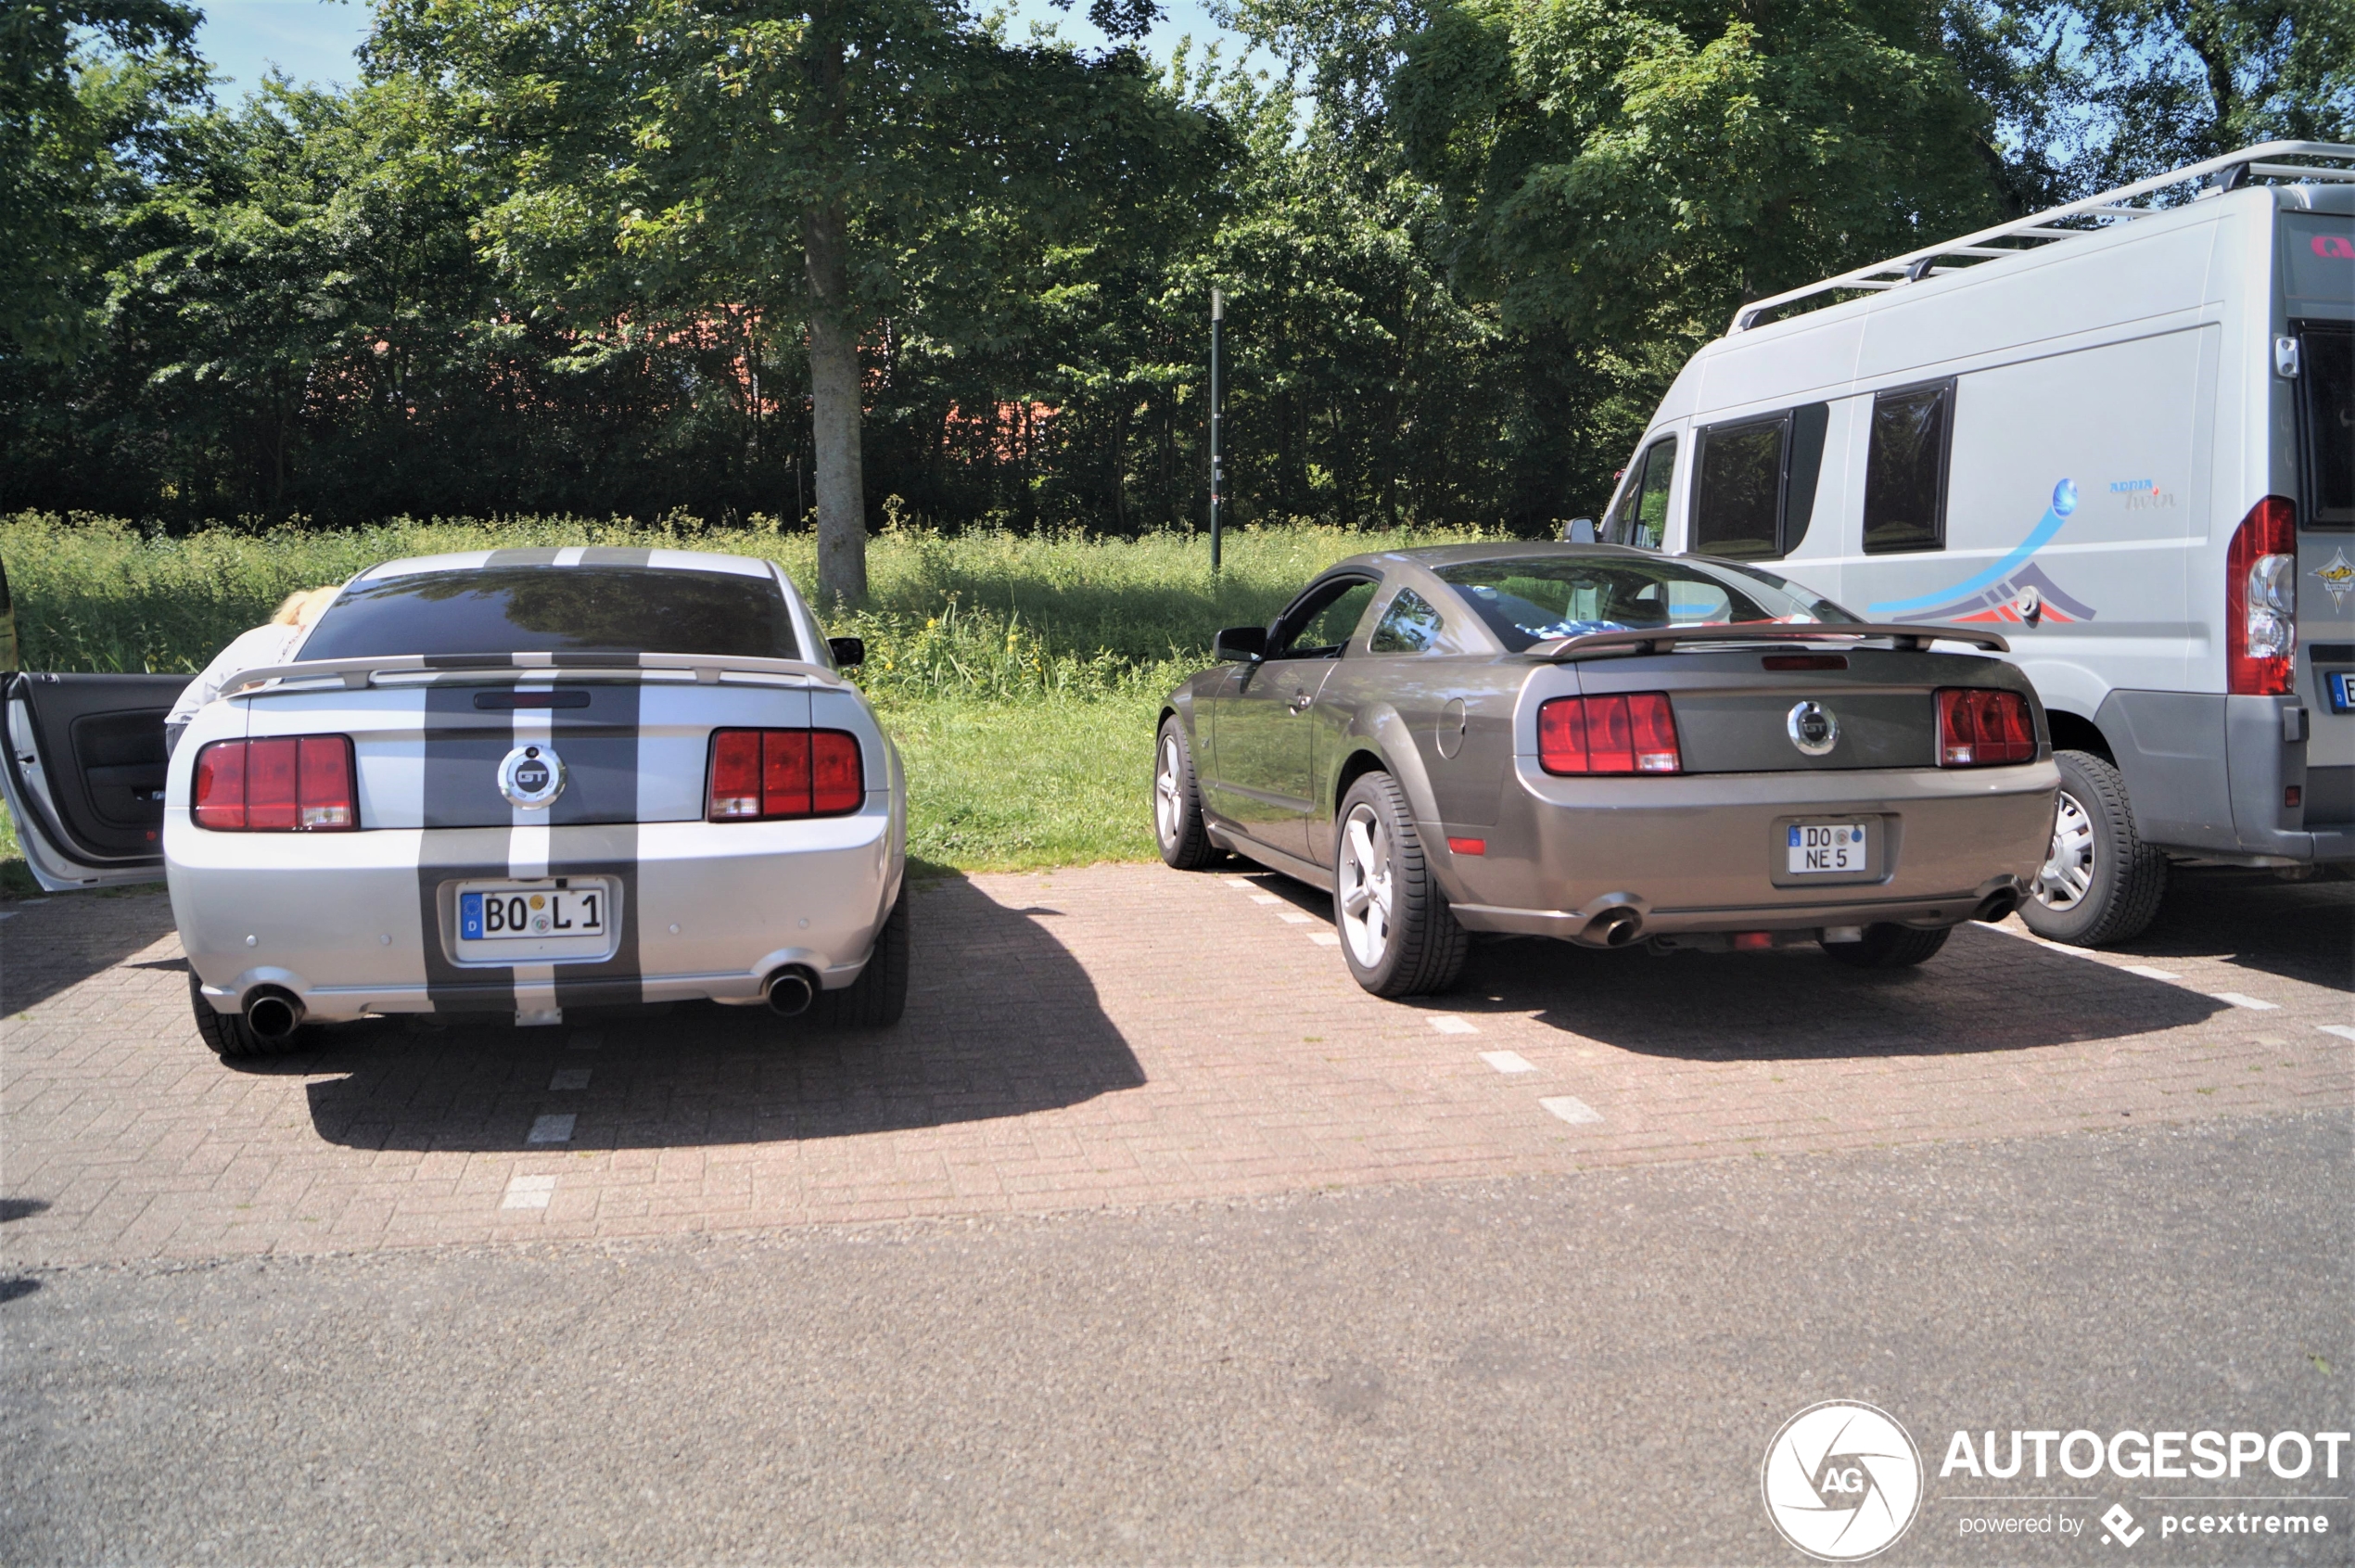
x=1236, y=843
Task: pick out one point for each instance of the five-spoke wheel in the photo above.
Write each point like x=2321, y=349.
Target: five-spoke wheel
x=1397, y=934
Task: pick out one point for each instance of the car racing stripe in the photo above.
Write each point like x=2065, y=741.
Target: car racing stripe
x=462, y=747
x=616, y=556
x=596, y=831
x=535, y=555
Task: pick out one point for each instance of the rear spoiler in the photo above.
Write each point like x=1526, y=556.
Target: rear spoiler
x=1907, y=639
x=359, y=673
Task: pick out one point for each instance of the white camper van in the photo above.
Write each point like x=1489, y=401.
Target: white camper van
x=2121, y=435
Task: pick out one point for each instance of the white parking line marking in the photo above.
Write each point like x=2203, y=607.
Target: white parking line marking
x=570, y=1077
x=1265, y=899
x=2148, y=973
x=1508, y=1061
x=551, y=1129
x=8, y=914
x=585, y=1039
x=1324, y=938
x=2341, y=1030
x=2239, y=1001
x=1448, y=1024
x=529, y=1192
x=1246, y=884
x=1293, y=917
x=1572, y=1109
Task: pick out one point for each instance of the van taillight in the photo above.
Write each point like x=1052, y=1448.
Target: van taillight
x=286, y=784
x=1635, y=733
x=1979, y=728
x=760, y=776
x=2260, y=602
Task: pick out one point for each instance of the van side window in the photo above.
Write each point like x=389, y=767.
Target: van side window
x=1410, y=626
x=1642, y=518
x=1756, y=491
x=1905, y=469
x=2327, y=417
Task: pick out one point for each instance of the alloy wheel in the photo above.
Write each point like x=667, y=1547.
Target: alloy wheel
x=1366, y=888
x=2068, y=874
x=1170, y=791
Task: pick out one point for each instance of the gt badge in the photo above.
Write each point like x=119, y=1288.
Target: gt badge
x=531, y=776
x=2338, y=578
x=1813, y=728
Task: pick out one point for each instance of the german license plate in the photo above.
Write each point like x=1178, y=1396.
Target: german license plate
x=1819, y=848
x=2341, y=684
x=490, y=912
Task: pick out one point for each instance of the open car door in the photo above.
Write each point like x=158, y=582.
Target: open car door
x=83, y=768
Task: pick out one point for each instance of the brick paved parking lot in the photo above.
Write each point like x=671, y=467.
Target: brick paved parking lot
x=1111, y=1036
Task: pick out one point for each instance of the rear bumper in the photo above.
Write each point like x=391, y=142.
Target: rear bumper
x=359, y=925
x=2210, y=775
x=1700, y=852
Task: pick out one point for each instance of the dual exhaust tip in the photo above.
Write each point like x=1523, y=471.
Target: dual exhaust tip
x=1623, y=924
x=791, y=990
x=273, y=1014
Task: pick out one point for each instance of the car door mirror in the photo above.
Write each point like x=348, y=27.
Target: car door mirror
x=1240, y=642
x=1579, y=530
x=849, y=652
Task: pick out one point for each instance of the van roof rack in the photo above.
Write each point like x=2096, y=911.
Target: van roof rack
x=2233, y=169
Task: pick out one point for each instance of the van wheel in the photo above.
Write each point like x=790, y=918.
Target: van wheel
x=230, y=1036
x=2100, y=883
x=879, y=995
x=1889, y=947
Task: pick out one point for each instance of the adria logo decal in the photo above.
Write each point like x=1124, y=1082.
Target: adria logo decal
x=2334, y=246
x=2013, y=591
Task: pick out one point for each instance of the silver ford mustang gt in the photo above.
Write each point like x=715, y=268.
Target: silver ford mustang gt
x=1608, y=746
x=515, y=782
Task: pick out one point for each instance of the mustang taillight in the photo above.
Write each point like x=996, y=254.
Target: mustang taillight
x=2260, y=602
x=1635, y=733
x=286, y=784
x=1979, y=728
x=759, y=775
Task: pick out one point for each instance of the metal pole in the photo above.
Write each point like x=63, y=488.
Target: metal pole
x=1217, y=315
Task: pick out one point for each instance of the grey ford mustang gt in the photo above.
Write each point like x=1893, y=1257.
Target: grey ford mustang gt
x=1609, y=746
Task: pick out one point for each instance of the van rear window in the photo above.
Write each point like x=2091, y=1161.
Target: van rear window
x=557, y=610
x=2326, y=422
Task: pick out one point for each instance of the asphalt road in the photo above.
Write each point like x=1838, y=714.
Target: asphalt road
x=1567, y=1367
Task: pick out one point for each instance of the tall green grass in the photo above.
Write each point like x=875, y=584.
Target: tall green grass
x=1019, y=672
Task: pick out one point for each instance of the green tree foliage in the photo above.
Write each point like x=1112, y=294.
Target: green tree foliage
x=641, y=258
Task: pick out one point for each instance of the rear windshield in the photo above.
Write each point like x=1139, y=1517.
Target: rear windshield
x=1527, y=600
x=555, y=610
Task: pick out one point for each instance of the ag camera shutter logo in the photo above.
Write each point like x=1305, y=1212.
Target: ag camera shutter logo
x=1842, y=1481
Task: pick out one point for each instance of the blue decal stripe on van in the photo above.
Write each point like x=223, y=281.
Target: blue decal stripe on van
x=2042, y=535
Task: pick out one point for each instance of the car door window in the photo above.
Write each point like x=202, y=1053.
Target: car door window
x=1410, y=626
x=1642, y=518
x=1321, y=623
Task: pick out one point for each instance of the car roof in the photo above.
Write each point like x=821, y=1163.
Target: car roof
x=1431, y=557
x=572, y=555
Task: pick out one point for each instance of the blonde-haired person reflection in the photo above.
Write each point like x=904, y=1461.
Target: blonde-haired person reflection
x=258, y=649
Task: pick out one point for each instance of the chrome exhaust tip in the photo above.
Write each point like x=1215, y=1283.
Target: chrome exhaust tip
x=1996, y=906
x=1613, y=928
x=791, y=991
x=273, y=1014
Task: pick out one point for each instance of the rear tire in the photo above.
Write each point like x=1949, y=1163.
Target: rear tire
x=1397, y=934
x=1889, y=947
x=879, y=995
x=230, y=1036
x=1177, y=821
x=2100, y=882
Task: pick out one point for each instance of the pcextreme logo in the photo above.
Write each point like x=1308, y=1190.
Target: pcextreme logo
x=1842, y=1481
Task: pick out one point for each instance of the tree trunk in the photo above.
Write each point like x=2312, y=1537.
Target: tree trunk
x=833, y=379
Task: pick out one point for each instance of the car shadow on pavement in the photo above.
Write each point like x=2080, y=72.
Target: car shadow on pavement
x=79, y=935
x=1001, y=1021
x=2254, y=920
x=1985, y=992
